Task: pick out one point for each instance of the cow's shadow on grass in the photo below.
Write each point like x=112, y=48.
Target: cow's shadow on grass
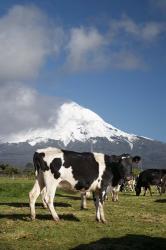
x=26, y=204
x=71, y=197
x=127, y=242
x=128, y=193
x=68, y=196
x=26, y=217
x=161, y=200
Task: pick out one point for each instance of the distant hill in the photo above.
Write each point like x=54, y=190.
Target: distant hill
x=81, y=129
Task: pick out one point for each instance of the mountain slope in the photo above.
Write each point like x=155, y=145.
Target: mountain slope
x=80, y=129
x=74, y=123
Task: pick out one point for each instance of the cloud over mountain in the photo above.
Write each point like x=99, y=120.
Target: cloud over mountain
x=23, y=108
x=26, y=39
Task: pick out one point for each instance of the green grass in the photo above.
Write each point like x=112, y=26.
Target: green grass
x=133, y=222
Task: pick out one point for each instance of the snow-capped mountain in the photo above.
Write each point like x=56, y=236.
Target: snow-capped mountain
x=80, y=129
x=74, y=123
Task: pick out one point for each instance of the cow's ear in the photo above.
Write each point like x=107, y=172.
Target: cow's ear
x=136, y=158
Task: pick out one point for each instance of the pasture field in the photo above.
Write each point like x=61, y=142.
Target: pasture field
x=137, y=223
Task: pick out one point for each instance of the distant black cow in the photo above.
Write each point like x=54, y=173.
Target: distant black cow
x=149, y=177
x=84, y=171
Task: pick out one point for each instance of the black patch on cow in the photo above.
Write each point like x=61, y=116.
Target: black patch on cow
x=115, y=172
x=39, y=162
x=85, y=168
x=55, y=166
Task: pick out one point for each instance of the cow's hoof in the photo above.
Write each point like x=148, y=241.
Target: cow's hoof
x=56, y=220
x=104, y=221
x=33, y=218
x=98, y=220
x=83, y=208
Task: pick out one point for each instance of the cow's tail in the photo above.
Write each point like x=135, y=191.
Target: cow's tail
x=39, y=162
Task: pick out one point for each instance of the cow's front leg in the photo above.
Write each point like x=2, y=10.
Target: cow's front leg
x=145, y=190
x=115, y=191
x=83, y=200
x=98, y=198
x=96, y=202
x=102, y=194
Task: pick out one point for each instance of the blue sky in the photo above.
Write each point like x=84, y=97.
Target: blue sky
x=106, y=55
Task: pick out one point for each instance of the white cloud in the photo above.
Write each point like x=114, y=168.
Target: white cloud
x=144, y=32
x=22, y=108
x=88, y=49
x=84, y=49
x=119, y=47
x=26, y=39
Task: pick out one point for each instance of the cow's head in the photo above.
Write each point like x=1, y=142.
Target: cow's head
x=138, y=186
x=124, y=164
x=129, y=162
x=137, y=189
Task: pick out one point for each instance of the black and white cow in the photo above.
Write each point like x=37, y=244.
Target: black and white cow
x=149, y=177
x=84, y=171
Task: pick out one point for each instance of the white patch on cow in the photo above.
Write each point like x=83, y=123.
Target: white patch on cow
x=50, y=154
x=48, y=178
x=67, y=175
x=125, y=157
x=100, y=159
x=88, y=194
x=116, y=188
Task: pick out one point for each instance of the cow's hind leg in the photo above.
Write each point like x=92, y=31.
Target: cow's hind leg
x=43, y=194
x=33, y=195
x=150, y=190
x=159, y=189
x=49, y=198
x=38, y=188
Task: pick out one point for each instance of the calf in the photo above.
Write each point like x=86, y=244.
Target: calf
x=149, y=177
x=128, y=184
x=84, y=171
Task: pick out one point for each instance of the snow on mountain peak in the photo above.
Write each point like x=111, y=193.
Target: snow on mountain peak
x=73, y=123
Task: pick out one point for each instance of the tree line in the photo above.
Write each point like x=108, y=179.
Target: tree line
x=12, y=171
x=28, y=170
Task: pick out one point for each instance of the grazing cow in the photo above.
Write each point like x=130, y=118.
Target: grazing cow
x=84, y=171
x=163, y=184
x=128, y=184
x=149, y=177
